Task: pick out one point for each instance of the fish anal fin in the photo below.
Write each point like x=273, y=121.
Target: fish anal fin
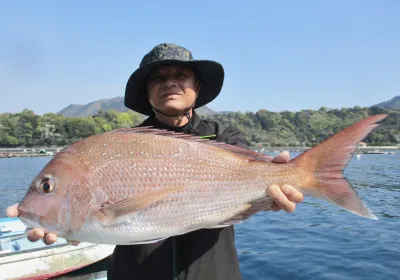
x=262, y=204
x=146, y=241
x=109, y=214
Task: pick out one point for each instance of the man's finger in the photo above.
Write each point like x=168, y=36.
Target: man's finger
x=280, y=199
x=50, y=238
x=12, y=211
x=283, y=157
x=292, y=194
x=35, y=234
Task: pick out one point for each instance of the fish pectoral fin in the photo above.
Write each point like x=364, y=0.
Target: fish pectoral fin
x=251, y=208
x=110, y=213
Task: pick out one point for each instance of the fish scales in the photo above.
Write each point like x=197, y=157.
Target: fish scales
x=221, y=184
x=189, y=173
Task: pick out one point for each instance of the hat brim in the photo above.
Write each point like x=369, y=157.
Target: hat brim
x=211, y=76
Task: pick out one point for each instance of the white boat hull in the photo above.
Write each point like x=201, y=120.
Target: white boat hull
x=52, y=262
x=22, y=259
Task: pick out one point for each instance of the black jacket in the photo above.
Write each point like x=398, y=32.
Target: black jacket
x=205, y=254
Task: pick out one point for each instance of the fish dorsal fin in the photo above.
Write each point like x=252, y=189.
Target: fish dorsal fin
x=109, y=214
x=157, y=131
x=139, y=129
x=247, y=153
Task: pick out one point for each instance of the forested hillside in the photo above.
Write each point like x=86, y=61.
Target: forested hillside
x=263, y=128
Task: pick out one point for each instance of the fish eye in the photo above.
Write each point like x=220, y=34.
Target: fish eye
x=46, y=185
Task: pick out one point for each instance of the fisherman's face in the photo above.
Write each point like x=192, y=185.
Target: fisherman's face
x=172, y=89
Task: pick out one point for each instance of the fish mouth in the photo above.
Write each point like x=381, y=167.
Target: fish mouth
x=28, y=216
x=32, y=220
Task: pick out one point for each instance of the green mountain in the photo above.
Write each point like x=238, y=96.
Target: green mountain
x=116, y=104
x=92, y=108
x=393, y=103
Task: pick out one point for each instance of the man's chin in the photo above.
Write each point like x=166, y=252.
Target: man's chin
x=172, y=108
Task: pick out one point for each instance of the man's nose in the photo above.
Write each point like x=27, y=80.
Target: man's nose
x=169, y=82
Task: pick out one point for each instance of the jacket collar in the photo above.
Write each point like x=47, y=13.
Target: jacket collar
x=190, y=127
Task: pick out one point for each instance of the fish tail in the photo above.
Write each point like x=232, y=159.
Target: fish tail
x=326, y=162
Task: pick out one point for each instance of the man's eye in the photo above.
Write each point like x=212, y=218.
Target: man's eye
x=156, y=78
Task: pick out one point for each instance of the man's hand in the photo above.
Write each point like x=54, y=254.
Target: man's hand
x=36, y=233
x=286, y=196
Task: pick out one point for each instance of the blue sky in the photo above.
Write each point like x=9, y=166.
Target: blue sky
x=277, y=55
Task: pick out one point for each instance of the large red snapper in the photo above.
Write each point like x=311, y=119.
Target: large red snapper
x=141, y=185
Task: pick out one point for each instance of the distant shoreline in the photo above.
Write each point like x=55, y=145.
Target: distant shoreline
x=48, y=152
x=29, y=152
x=360, y=150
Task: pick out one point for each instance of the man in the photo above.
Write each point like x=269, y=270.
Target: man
x=168, y=86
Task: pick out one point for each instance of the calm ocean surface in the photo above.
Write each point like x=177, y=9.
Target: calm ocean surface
x=317, y=241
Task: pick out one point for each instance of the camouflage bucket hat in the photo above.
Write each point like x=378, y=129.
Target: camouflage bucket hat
x=211, y=76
